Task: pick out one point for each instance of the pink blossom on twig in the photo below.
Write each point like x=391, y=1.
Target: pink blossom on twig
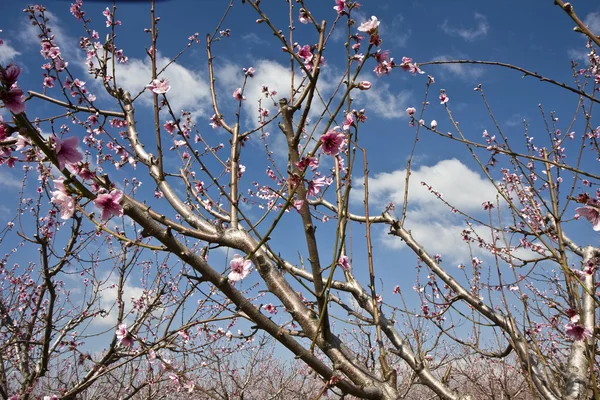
x=108, y=203
x=159, y=86
x=66, y=151
x=240, y=268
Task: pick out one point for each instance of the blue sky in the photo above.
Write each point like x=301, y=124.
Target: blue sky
x=534, y=35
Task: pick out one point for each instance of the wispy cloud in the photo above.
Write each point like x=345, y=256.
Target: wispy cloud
x=7, y=53
x=462, y=71
x=462, y=187
x=385, y=103
x=469, y=34
x=592, y=20
x=427, y=216
x=68, y=45
x=189, y=89
x=401, y=31
x=515, y=120
x=7, y=179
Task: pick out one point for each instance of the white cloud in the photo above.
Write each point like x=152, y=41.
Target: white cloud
x=430, y=221
x=401, y=31
x=108, y=299
x=462, y=71
x=579, y=55
x=69, y=47
x=447, y=237
x=468, y=34
x=7, y=53
x=276, y=77
x=592, y=20
x=382, y=101
x=515, y=120
x=6, y=213
x=189, y=90
x=7, y=179
x=252, y=39
x=462, y=187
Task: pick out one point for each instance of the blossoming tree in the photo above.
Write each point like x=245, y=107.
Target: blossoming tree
x=518, y=319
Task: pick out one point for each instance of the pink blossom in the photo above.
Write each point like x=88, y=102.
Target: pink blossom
x=170, y=126
x=249, y=72
x=159, y=86
x=237, y=94
x=332, y=142
x=82, y=170
x=370, y=26
x=590, y=213
x=339, y=6
x=184, y=336
x=49, y=82
x=408, y=65
x=78, y=83
x=62, y=199
x=270, y=308
x=364, y=85
x=384, y=67
x=348, y=122
x=109, y=204
x=174, y=379
x=66, y=151
x=303, y=17
x=123, y=335
x=433, y=124
x=577, y=331
x=190, y=386
x=488, y=205
x=314, y=186
x=3, y=129
x=14, y=99
x=22, y=142
x=215, y=121
x=344, y=263
x=443, y=97
x=305, y=162
x=411, y=111
x=10, y=74
x=381, y=56
x=305, y=53
x=240, y=268
x=573, y=315
x=76, y=9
